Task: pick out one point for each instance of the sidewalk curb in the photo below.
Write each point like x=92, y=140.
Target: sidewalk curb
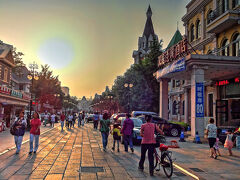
x=9, y=149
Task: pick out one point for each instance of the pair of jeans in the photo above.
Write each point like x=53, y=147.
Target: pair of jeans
x=114, y=141
x=127, y=140
x=79, y=122
x=104, y=139
x=36, y=138
x=95, y=123
x=62, y=125
x=83, y=122
x=18, y=142
x=144, y=148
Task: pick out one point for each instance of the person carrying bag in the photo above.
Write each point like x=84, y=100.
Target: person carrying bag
x=18, y=130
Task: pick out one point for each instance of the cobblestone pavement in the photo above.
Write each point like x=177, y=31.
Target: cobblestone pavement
x=74, y=154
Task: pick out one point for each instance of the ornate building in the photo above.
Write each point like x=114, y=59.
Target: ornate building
x=200, y=75
x=145, y=42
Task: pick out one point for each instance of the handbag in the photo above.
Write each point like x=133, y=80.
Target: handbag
x=13, y=129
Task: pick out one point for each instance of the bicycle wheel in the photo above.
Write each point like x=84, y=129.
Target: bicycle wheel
x=156, y=160
x=167, y=165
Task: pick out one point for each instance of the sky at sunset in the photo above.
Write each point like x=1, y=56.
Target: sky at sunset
x=86, y=42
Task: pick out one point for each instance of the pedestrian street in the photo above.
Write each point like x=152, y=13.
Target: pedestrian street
x=75, y=154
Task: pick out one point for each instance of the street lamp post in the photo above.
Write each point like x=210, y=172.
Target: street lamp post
x=128, y=86
x=32, y=76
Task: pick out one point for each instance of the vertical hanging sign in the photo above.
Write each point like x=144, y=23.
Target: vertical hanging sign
x=199, y=100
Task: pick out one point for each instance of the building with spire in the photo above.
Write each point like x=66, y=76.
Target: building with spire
x=145, y=42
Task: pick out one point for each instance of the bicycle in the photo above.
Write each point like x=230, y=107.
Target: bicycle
x=165, y=160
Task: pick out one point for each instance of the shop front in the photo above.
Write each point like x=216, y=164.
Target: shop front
x=203, y=95
x=228, y=103
x=11, y=103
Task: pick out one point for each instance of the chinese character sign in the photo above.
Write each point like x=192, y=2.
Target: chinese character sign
x=199, y=100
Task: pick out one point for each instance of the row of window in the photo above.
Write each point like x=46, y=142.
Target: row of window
x=230, y=48
x=198, y=30
x=222, y=6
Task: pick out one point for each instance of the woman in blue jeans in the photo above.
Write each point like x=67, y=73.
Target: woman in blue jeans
x=104, y=128
x=35, y=132
x=19, y=126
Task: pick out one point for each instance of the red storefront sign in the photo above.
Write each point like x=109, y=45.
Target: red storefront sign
x=175, y=52
x=227, y=81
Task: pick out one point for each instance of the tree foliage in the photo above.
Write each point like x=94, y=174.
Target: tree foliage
x=47, y=88
x=144, y=95
x=17, y=57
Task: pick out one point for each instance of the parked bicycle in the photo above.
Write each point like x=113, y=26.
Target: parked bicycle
x=165, y=159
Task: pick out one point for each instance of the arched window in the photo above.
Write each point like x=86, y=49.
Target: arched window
x=236, y=45
x=198, y=29
x=225, y=48
x=235, y=3
x=210, y=16
x=174, y=108
x=191, y=33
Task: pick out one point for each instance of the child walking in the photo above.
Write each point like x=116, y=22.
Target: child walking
x=228, y=142
x=116, y=136
x=216, y=147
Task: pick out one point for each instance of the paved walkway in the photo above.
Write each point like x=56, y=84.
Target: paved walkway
x=7, y=140
x=191, y=156
x=73, y=154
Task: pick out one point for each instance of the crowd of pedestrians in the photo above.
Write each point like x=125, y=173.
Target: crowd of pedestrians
x=102, y=121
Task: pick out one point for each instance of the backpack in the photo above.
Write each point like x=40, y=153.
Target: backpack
x=115, y=136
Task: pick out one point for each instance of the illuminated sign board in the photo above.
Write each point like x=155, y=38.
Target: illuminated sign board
x=227, y=81
x=175, y=52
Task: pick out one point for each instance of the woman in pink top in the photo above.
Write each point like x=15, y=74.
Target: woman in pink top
x=148, y=143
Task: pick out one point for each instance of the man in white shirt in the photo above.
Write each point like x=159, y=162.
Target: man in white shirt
x=45, y=117
x=53, y=116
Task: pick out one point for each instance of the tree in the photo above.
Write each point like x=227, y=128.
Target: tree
x=48, y=88
x=17, y=57
x=145, y=91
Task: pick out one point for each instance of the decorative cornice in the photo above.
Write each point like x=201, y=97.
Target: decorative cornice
x=198, y=6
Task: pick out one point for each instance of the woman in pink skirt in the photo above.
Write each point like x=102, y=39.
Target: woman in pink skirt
x=228, y=142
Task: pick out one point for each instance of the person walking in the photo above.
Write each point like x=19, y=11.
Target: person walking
x=79, y=119
x=116, y=136
x=104, y=128
x=83, y=118
x=148, y=143
x=212, y=135
x=34, y=132
x=19, y=127
x=127, y=130
x=95, y=120
x=228, y=142
x=70, y=119
x=62, y=118
x=67, y=122
x=53, y=117
x=74, y=119
x=216, y=147
x=45, y=117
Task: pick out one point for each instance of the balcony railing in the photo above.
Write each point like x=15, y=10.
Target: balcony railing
x=218, y=51
x=221, y=8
